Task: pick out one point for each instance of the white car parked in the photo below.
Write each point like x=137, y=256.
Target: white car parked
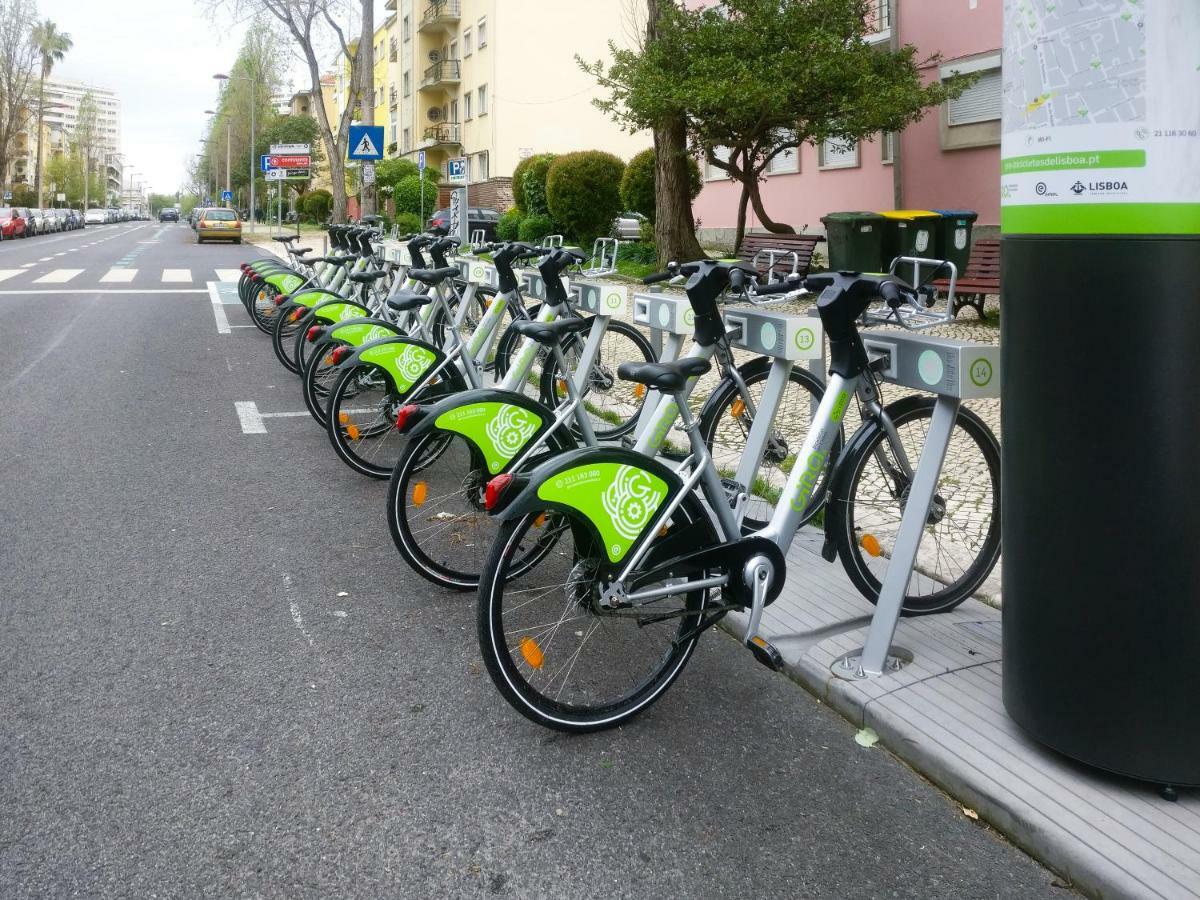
x=95, y=217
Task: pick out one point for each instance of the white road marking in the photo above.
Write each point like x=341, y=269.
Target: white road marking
x=107, y=291
x=228, y=274
x=27, y=266
x=218, y=309
x=297, y=620
x=250, y=417
x=9, y=273
x=58, y=276
x=175, y=275
x=122, y=276
x=285, y=415
x=46, y=259
x=149, y=242
x=61, y=254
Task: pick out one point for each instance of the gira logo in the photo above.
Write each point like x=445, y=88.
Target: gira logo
x=808, y=481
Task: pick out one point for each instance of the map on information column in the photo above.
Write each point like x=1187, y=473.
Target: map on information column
x=1074, y=62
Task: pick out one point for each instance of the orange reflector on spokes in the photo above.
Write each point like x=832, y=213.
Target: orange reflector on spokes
x=532, y=652
x=343, y=418
x=420, y=492
x=738, y=407
x=352, y=432
x=539, y=521
x=639, y=391
x=870, y=543
x=561, y=386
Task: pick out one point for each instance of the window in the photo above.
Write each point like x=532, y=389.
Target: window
x=711, y=172
x=453, y=111
x=407, y=83
x=838, y=153
x=978, y=103
x=453, y=50
x=887, y=147
x=481, y=30
x=405, y=30
x=786, y=162
x=393, y=132
x=392, y=50
x=406, y=144
x=483, y=98
x=479, y=169
x=879, y=21
x=467, y=42
x=467, y=106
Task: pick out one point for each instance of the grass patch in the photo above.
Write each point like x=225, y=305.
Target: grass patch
x=631, y=269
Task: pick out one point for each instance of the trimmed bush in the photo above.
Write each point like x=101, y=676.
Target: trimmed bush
x=637, y=184
x=534, y=184
x=407, y=195
x=317, y=204
x=410, y=223
x=534, y=228
x=583, y=192
x=542, y=161
x=509, y=225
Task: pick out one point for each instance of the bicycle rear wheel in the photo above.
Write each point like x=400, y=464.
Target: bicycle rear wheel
x=556, y=653
x=961, y=540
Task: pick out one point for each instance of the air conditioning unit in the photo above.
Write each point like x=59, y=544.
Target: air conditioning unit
x=435, y=56
x=434, y=114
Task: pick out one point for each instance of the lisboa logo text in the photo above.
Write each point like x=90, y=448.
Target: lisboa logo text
x=630, y=500
x=508, y=430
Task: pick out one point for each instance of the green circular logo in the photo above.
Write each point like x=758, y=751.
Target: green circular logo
x=805, y=339
x=477, y=271
x=613, y=300
x=981, y=372
x=689, y=317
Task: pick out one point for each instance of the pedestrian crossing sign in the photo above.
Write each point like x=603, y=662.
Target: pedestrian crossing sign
x=366, y=142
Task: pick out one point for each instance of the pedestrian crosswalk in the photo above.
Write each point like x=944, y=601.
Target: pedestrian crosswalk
x=44, y=277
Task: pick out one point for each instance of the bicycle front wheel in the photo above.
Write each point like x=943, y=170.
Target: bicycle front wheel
x=556, y=651
x=961, y=539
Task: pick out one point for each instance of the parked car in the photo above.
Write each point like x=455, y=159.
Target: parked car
x=45, y=221
x=477, y=217
x=194, y=218
x=219, y=225
x=628, y=226
x=75, y=217
x=95, y=217
x=12, y=223
x=61, y=222
x=170, y=214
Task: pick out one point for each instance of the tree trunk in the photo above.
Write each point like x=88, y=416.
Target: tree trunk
x=740, y=235
x=367, y=95
x=674, y=227
x=751, y=188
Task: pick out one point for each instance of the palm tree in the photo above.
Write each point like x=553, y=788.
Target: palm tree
x=53, y=45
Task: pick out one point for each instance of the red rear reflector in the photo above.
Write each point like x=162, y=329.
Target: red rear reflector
x=338, y=354
x=495, y=490
x=281, y=299
x=402, y=417
x=297, y=313
x=313, y=333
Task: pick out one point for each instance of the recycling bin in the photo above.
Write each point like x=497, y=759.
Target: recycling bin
x=855, y=241
x=909, y=232
x=953, y=238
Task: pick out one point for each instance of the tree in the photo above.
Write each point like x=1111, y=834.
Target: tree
x=637, y=184
x=366, y=91
x=292, y=130
x=766, y=76
x=52, y=46
x=87, y=133
x=583, y=192
x=413, y=193
x=18, y=56
x=641, y=97
x=310, y=23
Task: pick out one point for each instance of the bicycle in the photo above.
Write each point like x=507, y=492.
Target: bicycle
x=641, y=566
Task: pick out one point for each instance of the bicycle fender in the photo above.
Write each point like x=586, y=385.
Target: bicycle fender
x=286, y=281
x=754, y=366
x=310, y=297
x=362, y=330
x=617, y=491
x=500, y=424
x=339, y=310
x=404, y=360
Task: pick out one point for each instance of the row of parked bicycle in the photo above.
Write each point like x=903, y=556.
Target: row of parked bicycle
x=606, y=511
x=27, y=221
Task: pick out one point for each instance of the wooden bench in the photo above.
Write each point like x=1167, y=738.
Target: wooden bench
x=803, y=245
x=980, y=278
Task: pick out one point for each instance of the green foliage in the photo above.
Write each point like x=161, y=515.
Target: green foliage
x=408, y=192
x=535, y=227
x=637, y=184
x=390, y=172
x=583, y=193
x=534, y=184
x=22, y=195
x=509, y=225
x=642, y=252
x=409, y=223
x=316, y=204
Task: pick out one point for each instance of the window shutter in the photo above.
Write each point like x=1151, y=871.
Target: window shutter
x=978, y=103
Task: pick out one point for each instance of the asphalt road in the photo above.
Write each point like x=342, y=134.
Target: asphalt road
x=217, y=679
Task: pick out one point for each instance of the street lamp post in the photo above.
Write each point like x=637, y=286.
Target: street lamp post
x=253, y=103
x=228, y=171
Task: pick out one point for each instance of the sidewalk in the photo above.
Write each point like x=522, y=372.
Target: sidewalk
x=943, y=715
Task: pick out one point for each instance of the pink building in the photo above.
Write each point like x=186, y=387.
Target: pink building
x=948, y=160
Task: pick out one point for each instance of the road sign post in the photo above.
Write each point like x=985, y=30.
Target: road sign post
x=458, y=171
x=421, y=173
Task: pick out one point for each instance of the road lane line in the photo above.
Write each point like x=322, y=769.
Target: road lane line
x=297, y=620
x=104, y=291
x=249, y=416
x=122, y=276
x=228, y=274
x=176, y=275
x=218, y=309
x=58, y=276
x=46, y=259
x=9, y=273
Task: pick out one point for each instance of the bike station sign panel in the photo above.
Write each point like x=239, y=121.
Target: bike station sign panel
x=291, y=149
x=293, y=161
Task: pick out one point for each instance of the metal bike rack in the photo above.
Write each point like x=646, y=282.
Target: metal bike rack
x=909, y=315
x=477, y=271
x=771, y=254
x=396, y=252
x=672, y=322
x=552, y=240
x=478, y=237
x=604, y=258
x=602, y=297
x=954, y=371
x=534, y=287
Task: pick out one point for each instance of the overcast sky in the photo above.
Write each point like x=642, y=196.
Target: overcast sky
x=159, y=56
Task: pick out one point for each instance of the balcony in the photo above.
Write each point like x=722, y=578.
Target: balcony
x=440, y=15
x=445, y=133
x=442, y=74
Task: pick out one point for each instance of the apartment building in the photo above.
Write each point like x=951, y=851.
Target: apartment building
x=948, y=160
x=495, y=82
x=62, y=99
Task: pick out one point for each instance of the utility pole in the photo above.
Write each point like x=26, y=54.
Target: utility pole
x=366, y=83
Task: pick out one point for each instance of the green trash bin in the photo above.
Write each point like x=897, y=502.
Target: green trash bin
x=954, y=236
x=855, y=240
x=909, y=232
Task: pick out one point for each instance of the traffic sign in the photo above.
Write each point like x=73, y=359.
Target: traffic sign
x=264, y=161
x=421, y=160
x=456, y=172
x=290, y=161
x=226, y=196
x=276, y=174
x=368, y=173
x=291, y=149
x=8, y=195
x=60, y=197
x=366, y=142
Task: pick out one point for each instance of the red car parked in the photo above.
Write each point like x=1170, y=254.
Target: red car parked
x=12, y=223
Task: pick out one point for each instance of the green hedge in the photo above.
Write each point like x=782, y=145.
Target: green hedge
x=317, y=204
x=409, y=223
x=637, y=184
x=407, y=195
x=508, y=228
x=583, y=193
x=534, y=228
x=538, y=165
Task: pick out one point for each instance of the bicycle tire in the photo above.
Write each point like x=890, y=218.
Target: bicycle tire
x=505, y=670
x=861, y=541
x=282, y=332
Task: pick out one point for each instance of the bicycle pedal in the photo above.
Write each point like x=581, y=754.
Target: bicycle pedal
x=766, y=653
x=733, y=489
